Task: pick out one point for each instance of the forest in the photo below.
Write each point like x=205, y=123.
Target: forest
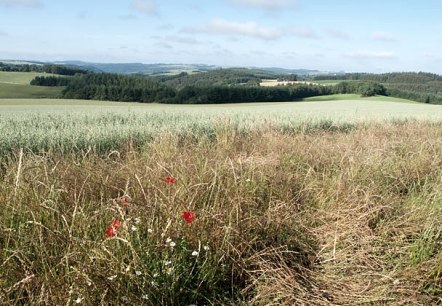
x=239, y=85
x=114, y=87
x=47, y=68
x=417, y=86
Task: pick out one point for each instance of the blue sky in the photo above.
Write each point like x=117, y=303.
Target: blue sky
x=349, y=35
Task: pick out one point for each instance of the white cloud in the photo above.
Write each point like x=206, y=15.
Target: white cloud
x=339, y=34
x=382, y=36
x=372, y=55
x=250, y=29
x=25, y=3
x=144, y=6
x=267, y=4
x=304, y=32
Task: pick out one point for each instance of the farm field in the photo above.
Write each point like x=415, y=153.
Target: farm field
x=23, y=78
x=16, y=85
x=271, y=83
x=43, y=124
x=333, y=200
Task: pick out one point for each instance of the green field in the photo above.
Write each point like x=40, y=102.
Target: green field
x=16, y=85
x=44, y=124
x=23, y=78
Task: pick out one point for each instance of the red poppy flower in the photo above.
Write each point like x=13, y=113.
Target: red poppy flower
x=188, y=216
x=112, y=230
x=116, y=224
x=170, y=180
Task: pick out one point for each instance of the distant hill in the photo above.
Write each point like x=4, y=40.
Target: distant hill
x=150, y=69
x=300, y=72
x=140, y=68
x=161, y=68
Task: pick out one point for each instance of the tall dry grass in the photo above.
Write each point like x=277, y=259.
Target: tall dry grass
x=308, y=218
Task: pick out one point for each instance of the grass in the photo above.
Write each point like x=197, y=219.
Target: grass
x=319, y=203
x=313, y=217
x=16, y=85
x=69, y=125
x=21, y=78
x=16, y=91
x=355, y=97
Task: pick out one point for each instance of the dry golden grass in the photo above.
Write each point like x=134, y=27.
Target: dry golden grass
x=315, y=218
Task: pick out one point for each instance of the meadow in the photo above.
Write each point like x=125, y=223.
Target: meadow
x=334, y=202
x=16, y=85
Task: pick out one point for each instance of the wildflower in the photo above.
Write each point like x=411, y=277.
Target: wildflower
x=195, y=253
x=150, y=231
x=138, y=273
x=168, y=262
x=172, y=244
x=133, y=228
x=206, y=248
x=78, y=300
x=112, y=230
x=170, y=180
x=188, y=216
x=145, y=297
x=112, y=277
x=116, y=224
x=168, y=240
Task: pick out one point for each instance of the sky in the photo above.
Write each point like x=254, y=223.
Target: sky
x=327, y=35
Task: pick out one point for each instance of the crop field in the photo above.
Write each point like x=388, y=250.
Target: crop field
x=328, y=201
x=68, y=125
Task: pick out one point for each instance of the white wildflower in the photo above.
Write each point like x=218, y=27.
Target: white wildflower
x=145, y=297
x=138, y=273
x=172, y=244
x=168, y=262
x=78, y=300
x=206, y=248
x=195, y=253
x=112, y=277
x=150, y=231
x=133, y=228
x=168, y=240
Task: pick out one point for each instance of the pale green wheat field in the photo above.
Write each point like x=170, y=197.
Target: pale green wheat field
x=66, y=125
